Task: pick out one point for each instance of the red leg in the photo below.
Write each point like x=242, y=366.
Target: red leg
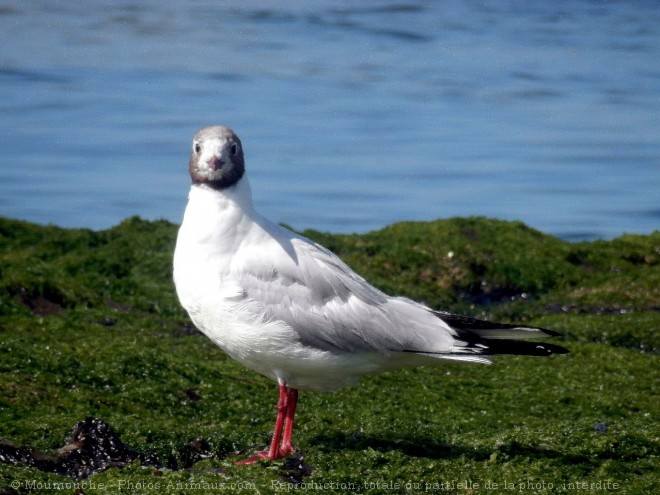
x=282, y=408
x=286, y=447
x=284, y=421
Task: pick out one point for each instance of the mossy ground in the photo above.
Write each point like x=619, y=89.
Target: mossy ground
x=90, y=326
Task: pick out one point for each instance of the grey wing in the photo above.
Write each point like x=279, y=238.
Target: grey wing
x=332, y=308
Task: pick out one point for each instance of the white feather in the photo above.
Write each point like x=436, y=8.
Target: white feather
x=287, y=307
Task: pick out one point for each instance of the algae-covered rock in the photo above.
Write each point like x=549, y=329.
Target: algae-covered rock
x=90, y=327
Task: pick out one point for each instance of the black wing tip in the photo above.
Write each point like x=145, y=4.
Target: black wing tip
x=475, y=333
x=480, y=337
x=496, y=347
x=521, y=348
x=476, y=325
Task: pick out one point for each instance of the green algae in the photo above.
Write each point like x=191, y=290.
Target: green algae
x=90, y=326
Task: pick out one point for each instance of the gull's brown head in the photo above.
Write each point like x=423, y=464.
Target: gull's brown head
x=216, y=157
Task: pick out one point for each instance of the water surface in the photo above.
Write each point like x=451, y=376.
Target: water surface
x=353, y=115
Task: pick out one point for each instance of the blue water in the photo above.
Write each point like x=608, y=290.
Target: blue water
x=353, y=115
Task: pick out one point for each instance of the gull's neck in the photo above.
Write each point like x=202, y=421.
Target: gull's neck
x=219, y=216
x=238, y=196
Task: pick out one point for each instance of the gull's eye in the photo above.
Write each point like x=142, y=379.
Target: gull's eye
x=234, y=149
x=197, y=148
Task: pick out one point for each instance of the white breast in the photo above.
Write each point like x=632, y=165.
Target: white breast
x=215, y=227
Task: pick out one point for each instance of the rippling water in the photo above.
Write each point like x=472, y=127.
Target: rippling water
x=354, y=115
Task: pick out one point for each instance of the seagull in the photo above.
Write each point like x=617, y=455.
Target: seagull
x=291, y=310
